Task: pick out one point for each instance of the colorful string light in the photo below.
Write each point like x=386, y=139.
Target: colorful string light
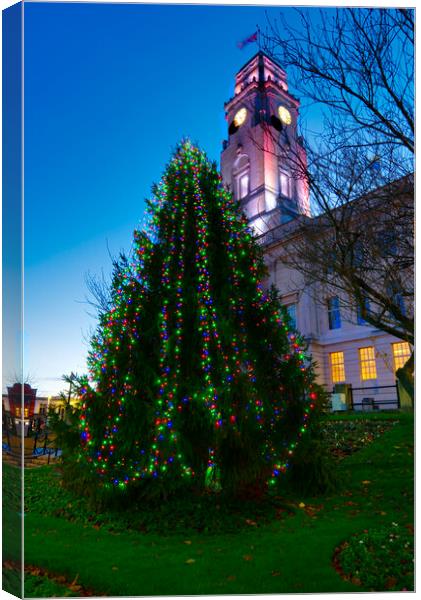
x=190, y=325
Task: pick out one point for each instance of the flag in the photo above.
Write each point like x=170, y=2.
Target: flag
x=252, y=38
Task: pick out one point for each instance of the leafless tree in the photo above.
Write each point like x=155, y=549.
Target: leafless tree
x=99, y=288
x=357, y=64
x=355, y=67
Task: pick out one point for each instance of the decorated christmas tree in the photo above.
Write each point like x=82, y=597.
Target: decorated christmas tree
x=195, y=378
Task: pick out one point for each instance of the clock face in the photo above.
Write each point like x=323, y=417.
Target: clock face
x=284, y=115
x=240, y=117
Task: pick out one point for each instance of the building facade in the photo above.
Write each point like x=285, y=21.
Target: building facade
x=256, y=165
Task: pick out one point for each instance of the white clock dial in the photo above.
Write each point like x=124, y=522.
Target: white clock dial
x=284, y=115
x=240, y=117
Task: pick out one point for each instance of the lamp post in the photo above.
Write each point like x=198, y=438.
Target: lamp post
x=72, y=378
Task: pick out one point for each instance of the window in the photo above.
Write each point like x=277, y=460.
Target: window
x=292, y=313
x=17, y=411
x=285, y=184
x=241, y=175
x=26, y=412
x=401, y=353
x=396, y=297
x=387, y=243
x=368, y=363
x=337, y=366
x=331, y=260
x=359, y=254
x=334, y=313
x=360, y=319
x=400, y=302
x=243, y=185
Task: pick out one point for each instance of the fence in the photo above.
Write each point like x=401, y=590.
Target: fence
x=36, y=445
x=379, y=397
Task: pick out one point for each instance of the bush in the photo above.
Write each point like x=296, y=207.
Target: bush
x=380, y=559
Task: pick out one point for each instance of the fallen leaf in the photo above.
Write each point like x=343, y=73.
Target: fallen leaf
x=231, y=577
x=115, y=568
x=190, y=561
x=301, y=505
x=391, y=582
x=366, y=482
x=188, y=542
x=276, y=574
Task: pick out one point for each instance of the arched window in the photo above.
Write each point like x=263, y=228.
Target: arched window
x=241, y=176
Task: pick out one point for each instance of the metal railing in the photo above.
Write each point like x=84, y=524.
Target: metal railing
x=376, y=397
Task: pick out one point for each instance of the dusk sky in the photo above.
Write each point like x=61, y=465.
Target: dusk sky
x=109, y=91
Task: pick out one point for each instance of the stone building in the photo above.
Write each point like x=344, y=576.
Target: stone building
x=262, y=126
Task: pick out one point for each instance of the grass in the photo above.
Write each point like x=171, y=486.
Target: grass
x=382, y=558
x=12, y=527
x=286, y=555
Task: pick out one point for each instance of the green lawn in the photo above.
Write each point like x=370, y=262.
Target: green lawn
x=290, y=554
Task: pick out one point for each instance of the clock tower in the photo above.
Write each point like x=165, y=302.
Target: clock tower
x=263, y=159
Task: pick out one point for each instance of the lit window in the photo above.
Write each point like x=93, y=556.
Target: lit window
x=17, y=411
x=243, y=185
x=334, y=313
x=368, y=363
x=26, y=412
x=401, y=353
x=337, y=366
x=285, y=184
x=292, y=313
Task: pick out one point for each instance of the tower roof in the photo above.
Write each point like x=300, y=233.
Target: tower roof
x=260, y=69
x=261, y=53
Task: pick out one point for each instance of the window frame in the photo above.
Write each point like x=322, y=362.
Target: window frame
x=360, y=320
x=402, y=355
x=288, y=179
x=240, y=178
x=337, y=367
x=293, y=319
x=334, y=313
x=368, y=365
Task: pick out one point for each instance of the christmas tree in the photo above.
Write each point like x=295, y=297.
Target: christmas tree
x=195, y=377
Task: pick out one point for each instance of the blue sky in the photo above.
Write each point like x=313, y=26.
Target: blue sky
x=109, y=91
